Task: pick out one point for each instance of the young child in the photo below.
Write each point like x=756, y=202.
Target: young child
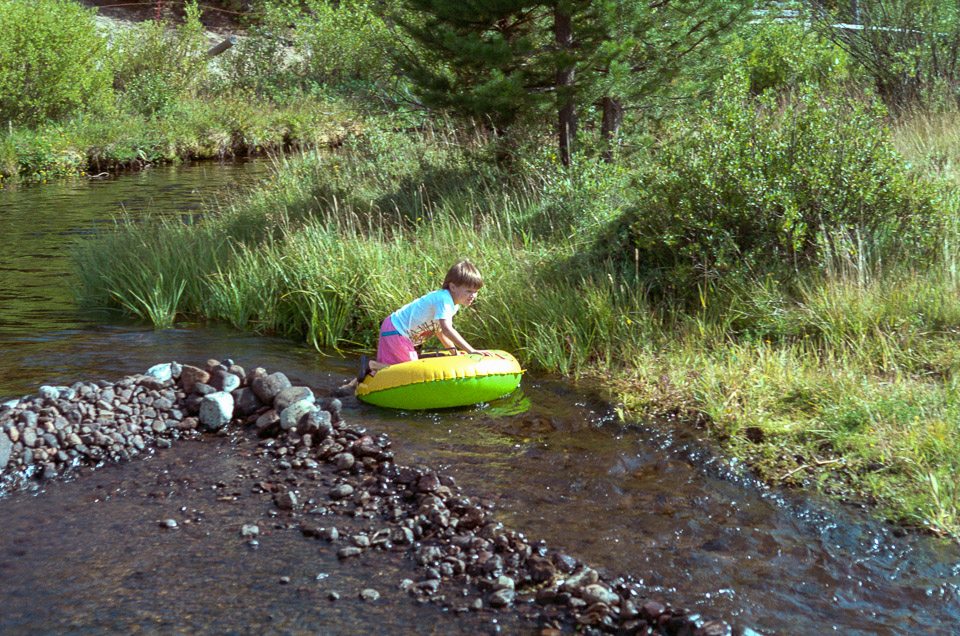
x=432, y=314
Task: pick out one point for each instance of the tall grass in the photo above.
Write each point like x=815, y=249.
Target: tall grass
x=844, y=379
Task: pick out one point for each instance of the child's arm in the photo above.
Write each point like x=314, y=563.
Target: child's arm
x=451, y=338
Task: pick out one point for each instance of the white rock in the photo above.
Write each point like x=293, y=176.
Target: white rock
x=162, y=372
x=216, y=409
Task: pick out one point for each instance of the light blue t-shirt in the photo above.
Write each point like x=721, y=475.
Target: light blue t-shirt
x=421, y=318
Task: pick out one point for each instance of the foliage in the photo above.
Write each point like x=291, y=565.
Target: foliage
x=52, y=61
x=754, y=183
x=349, y=39
x=157, y=64
x=260, y=61
x=780, y=54
x=910, y=49
x=506, y=63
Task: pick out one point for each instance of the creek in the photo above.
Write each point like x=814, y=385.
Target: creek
x=652, y=501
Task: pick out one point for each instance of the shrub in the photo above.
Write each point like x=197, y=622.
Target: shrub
x=910, y=49
x=51, y=61
x=778, y=55
x=755, y=183
x=158, y=64
x=344, y=40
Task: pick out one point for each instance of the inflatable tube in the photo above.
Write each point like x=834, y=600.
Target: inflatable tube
x=442, y=381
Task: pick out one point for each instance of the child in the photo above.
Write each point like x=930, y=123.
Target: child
x=406, y=328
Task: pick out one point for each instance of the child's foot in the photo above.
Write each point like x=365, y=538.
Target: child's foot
x=347, y=389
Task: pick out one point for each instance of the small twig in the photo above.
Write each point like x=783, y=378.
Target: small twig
x=818, y=463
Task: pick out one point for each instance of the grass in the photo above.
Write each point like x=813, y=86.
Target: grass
x=202, y=127
x=844, y=381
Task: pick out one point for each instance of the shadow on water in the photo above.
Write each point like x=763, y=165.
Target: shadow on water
x=650, y=501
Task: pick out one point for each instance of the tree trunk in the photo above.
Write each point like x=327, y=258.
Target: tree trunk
x=567, y=116
x=610, y=125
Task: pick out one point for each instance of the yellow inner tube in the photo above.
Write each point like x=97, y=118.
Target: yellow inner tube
x=442, y=381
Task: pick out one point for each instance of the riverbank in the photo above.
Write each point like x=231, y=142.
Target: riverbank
x=243, y=102
x=322, y=465
x=841, y=382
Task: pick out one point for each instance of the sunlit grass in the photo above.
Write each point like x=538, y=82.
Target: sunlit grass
x=842, y=380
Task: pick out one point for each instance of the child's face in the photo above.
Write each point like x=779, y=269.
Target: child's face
x=462, y=295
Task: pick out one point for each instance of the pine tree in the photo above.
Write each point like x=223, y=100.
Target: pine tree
x=502, y=61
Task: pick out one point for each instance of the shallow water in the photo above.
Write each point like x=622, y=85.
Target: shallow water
x=651, y=501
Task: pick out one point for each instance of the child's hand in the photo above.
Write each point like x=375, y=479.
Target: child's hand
x=484, y=352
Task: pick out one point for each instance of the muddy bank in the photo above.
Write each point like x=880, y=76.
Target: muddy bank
x=326, y=475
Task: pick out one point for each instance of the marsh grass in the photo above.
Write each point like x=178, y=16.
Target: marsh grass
x=844, y=379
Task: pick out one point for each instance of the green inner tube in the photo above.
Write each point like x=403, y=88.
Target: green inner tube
x=445, y=393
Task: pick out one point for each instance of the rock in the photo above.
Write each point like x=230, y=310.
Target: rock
x=293, y=394
x=290, y=416
x=429, y=586
x=333, y=596
x=714, y=628
x=269, y=386
x=502, y=598
x=6, y=447
x=599, y=594
x=330, y=534
x=29, y=437
x=48, y=393
x=583, y=577
x=162, y=372
x=216, y=409
x=331, y=406
x=341, y=492
x=540, y=568
x=428, y=482
x=348, y=552
x=316, y=422
x=651, y=611
x=28, y=419
x=343, y=461
x=369, y=594
x=258, y=372
x=268, y=424
x=168, y=523
x=190, y=376
x=246, y=401
x=224, y=381
x=285, y=500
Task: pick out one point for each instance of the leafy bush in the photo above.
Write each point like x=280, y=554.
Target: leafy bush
x=263, y=61
x=51, y=60
x=910, y=49
x=754, y=183
x=158, y=64
x=344, y=40
x=778, y=54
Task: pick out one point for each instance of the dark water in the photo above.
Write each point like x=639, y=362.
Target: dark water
x=651, y=501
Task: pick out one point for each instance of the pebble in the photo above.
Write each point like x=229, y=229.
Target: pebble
x=451, y=538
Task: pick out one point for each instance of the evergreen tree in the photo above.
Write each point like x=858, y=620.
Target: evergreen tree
x=506, y=60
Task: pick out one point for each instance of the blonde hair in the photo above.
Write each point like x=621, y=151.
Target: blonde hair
x=463, y=274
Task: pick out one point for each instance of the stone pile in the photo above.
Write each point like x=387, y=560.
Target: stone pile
x=461, y=550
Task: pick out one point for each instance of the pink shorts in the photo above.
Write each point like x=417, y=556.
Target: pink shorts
x=392, y=348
